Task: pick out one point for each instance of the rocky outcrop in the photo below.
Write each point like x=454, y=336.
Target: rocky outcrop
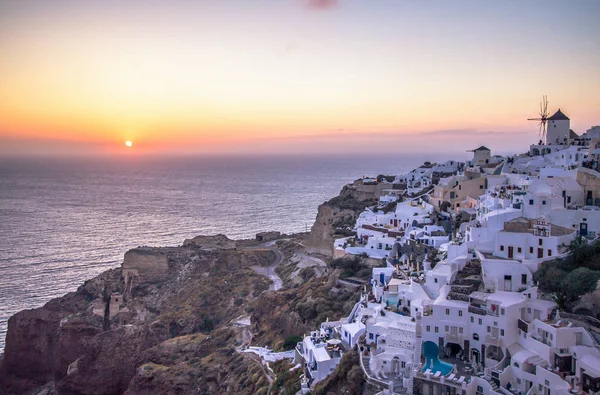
x=338, y=215
x=145, y=265
x=175, y=334
x=211, y=243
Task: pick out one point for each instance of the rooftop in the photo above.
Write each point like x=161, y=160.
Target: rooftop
x=558, y=116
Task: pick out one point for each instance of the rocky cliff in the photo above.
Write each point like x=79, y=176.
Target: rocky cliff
x=172, y=320
x=337, y=216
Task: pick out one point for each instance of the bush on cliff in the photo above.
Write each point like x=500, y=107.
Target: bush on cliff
x=573, y=276
x=350, y=266
x=348, y=377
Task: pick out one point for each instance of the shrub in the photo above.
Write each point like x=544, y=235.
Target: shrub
x=291, y=341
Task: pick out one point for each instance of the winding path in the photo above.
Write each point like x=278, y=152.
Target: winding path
x=269, y=271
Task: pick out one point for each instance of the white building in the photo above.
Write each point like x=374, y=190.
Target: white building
x=532, y=241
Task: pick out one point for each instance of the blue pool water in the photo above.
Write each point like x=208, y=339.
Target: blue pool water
x=430, y=351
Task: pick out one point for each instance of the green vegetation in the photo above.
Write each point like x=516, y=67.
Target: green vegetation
x=351, y=267
x=349, y=202
x=572, y=277
x=291, y=341
x=348, y=377
x=381, y=178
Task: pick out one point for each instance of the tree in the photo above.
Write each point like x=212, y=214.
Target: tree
x=579, y=282
x=550, y=277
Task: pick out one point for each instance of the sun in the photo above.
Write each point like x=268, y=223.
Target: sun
x=128, y=144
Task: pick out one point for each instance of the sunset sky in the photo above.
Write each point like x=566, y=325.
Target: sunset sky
x=292, y=76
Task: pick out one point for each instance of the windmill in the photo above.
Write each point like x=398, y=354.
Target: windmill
x=543, y=118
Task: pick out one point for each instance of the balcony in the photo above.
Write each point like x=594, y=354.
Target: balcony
x=454, y=338
x=494, y=341
x=477, y=310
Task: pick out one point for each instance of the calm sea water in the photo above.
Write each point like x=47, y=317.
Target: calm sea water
x=65, y=221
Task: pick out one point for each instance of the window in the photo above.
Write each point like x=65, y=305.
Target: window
x=501, y=332
x=529, y=310
x=447, y=328
x=481, y=187
x=437, y=329
x=480, y=321
x=568, y=199
x=489, y=329
x=435, y=280
x=540, y=242
x=531, y=202
x=428, y=328
x=480, y=389
x=502, y=311
x=475, y=336
x=495, y=323
x=460, y=330
x=531, y=250
x=523, y=278
x=447, y=311
x=460, y=313
x=549, y=252
x=472, y=319
x=501, y=248
x=460, y=187
x=543, y=202
x=519, y=250
x=403, y=365
x=370, y=336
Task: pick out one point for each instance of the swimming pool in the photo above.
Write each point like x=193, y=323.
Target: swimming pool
x=432, y=362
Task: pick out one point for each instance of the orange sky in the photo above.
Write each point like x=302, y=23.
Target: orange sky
x=234, y=76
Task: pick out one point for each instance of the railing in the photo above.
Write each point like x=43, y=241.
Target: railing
x=440, y=379
x=453, y=338
x=477, y=310
x=370, y=379
x=495, y=341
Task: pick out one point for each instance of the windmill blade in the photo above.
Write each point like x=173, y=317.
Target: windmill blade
x=534, y=119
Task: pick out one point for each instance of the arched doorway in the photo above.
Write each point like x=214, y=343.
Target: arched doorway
x=453, y=350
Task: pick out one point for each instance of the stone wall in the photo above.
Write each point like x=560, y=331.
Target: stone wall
x=145, y=265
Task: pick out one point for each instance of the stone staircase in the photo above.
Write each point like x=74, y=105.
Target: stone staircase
x=466, y=282
x=416, y=356
x=495, y=387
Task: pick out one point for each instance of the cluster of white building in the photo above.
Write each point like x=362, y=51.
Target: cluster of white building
x=472, y=321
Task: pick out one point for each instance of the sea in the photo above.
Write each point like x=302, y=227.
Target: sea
x=63, y=221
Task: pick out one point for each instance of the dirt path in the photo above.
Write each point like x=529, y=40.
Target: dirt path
x=269, y=271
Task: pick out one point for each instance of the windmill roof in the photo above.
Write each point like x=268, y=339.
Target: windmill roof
x=558, y=116
x=482, y=148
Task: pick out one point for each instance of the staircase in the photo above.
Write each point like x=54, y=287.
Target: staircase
x=495, y=387
x=416, y=363
x=467, y=281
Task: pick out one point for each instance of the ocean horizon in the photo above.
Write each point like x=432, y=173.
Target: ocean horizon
x=66, y=220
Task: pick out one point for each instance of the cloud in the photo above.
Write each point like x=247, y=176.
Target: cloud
x=321, y=4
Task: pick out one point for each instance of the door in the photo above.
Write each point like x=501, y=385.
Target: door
x=508, y=283
x=382, y=278
x=395, y=223
x=511, y=251
x=540, y=252
x=583, y=229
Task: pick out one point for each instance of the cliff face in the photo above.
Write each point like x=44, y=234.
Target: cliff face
x=132, y=331
x=335, y=216
x=93, y=341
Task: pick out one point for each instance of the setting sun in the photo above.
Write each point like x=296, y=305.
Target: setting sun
x=128, y=144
